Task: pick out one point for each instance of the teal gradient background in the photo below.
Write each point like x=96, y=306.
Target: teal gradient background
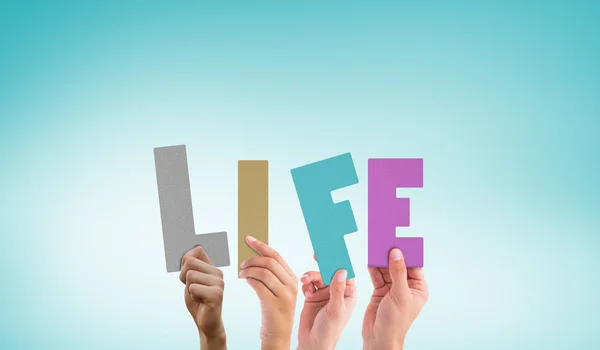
x=501, y=101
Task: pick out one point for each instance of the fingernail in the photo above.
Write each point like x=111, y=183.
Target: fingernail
x=342, y=275
x=304, y=276
x=240, y=274
x=307, y=294
x=250, y=239
x=396, y=254
x=243, y=265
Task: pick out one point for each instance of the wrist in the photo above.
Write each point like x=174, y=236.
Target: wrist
x=213, y=340
x=314, y=347
x=276, y=339
x=388, y=345
x=276, y=345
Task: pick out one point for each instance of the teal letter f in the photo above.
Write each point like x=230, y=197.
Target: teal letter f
x=327, y=222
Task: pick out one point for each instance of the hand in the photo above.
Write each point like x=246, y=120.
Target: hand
x=204, y=297
x=399, y=295
x=277, y=288
x=326, y=311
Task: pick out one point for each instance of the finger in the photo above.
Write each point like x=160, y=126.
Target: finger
x=336, y=292
x=416, y=273
x=197, y=252
x=312, y=283
x=314, y=289
x=266, y=277
x=418, y=286
x=259, y=287
x=267, y=251
x=209, y=295
x=315, y=294
x=198, y=265
x=313, y=277
x=416, y=280
x=308, y=290
x=271, y=265
x=315, y=257
x=398, y=273
x=197, y=277
x=376, y=277
x=350, y=291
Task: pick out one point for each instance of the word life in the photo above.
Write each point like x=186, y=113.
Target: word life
x=327, y=222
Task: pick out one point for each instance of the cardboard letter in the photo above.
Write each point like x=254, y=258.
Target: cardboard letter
x=253, y=205
x=386, y=211
x=176, y=214
x=327, y=222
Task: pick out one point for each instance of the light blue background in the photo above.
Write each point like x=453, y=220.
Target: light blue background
x=500, y=100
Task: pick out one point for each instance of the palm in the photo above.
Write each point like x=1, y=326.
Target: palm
x=381, y=308
x=207, y=316
x=310, y=315
x=315, y=314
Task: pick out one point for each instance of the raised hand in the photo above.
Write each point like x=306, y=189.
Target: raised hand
x=277, y=287
x=326, y=311
x=399, y=295
x=204, y=297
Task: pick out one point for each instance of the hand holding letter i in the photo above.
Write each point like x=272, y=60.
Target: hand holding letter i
x=277, y=287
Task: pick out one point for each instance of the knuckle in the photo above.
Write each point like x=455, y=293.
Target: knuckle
x=219, y=294
x=295, y=282
x=350, y=289
x=184, y=262
x=187, y=254
x=290, y=295
x=189, y=262
x=264, y=274
x=290, y=298
x=271, y=263
x=257, y=261
x=277, y=256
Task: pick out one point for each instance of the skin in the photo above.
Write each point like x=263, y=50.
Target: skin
x=204, y=297
x=277, y=288
x=326, y=311
x=398, y=297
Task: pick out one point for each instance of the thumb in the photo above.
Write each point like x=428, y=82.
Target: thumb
x=397, y=267
x=258, y=287
x=336, y=292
